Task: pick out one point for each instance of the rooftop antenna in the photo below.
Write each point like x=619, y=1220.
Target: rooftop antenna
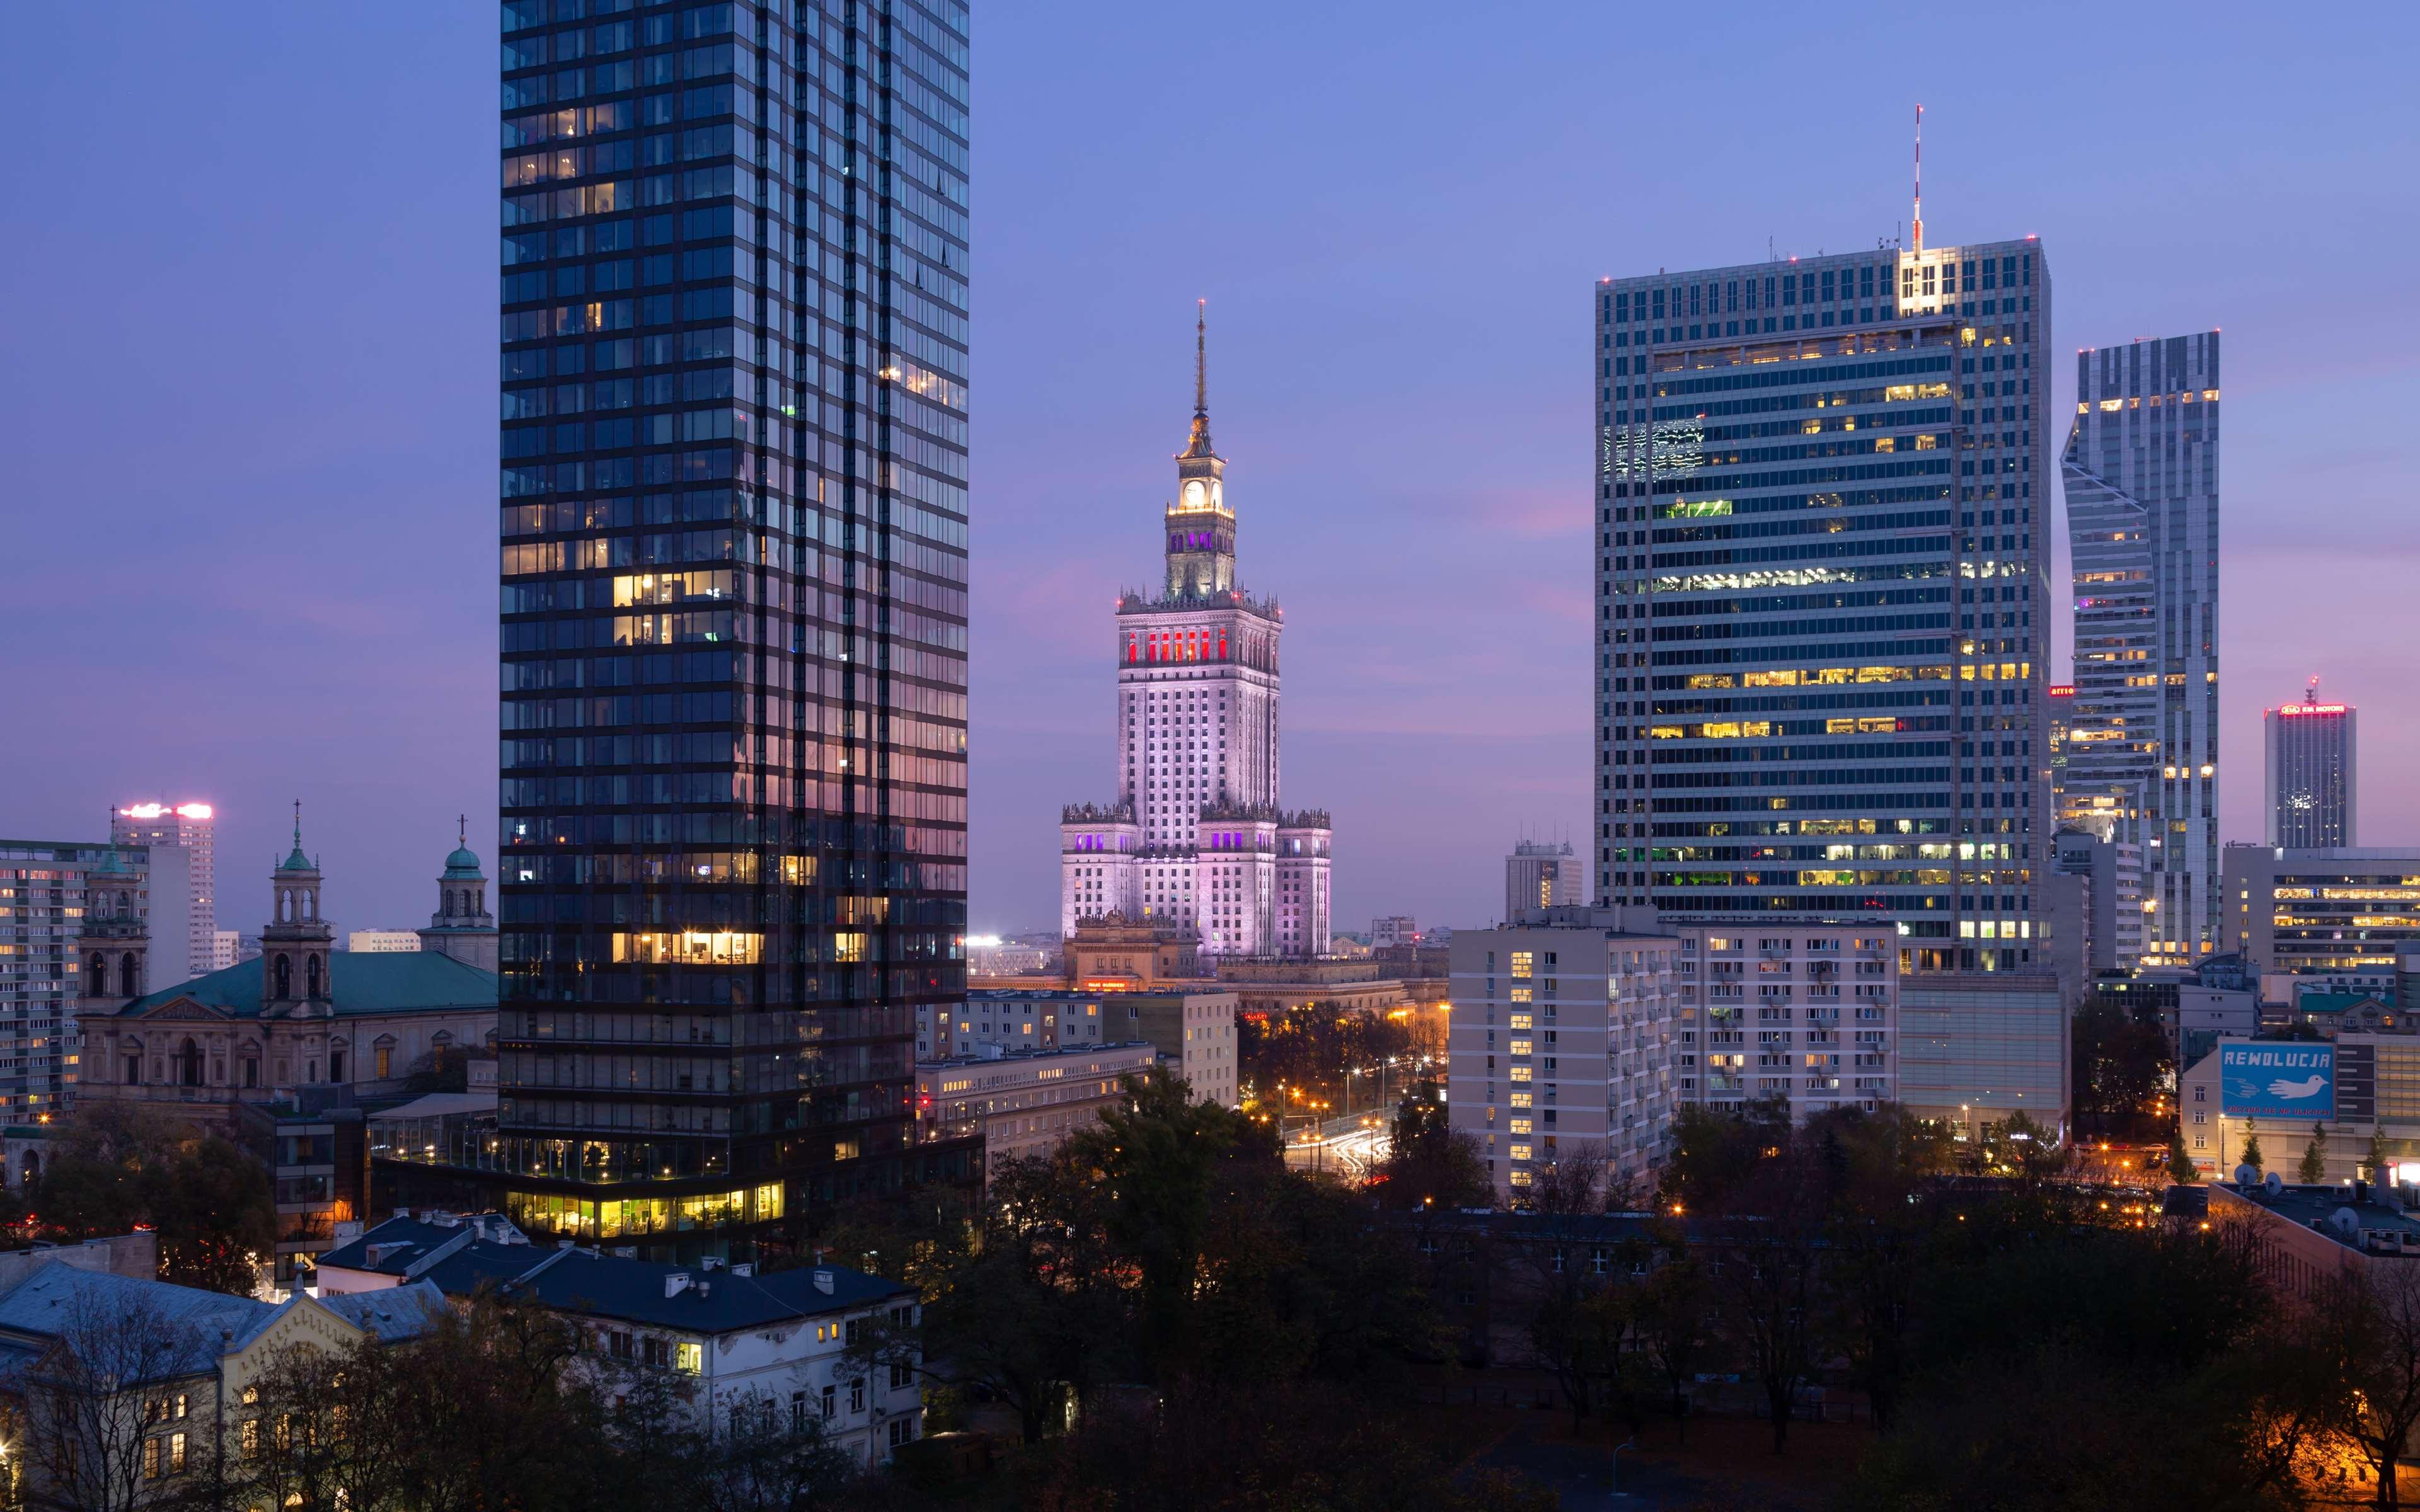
x=1919, y=176
x=1202, y=357
x=2311, y=694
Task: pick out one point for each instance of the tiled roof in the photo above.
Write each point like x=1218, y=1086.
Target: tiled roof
x=584, y=1281
x=365, y=982
x=397, y=1313
x=55, y=1296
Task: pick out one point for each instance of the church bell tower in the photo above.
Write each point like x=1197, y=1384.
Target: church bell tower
x=296, y=945
x=115, y=941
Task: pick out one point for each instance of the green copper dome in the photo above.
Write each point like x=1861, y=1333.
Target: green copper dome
x=462, y=863
x=296, y=861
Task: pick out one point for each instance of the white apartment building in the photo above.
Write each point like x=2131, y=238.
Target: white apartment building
x=192, y=828
x=733, y=1338
x=1563, y=1033
x=382, y=941
x=1543, y=874
x=1000, y=1021
x=1805, y=1012
x=1193, y=1028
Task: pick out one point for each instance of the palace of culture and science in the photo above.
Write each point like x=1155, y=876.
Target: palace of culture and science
x=1195, y=841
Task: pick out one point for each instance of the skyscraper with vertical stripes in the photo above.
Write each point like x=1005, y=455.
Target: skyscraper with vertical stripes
x=734, y=511
x=2141, y=470
x=1821, y=608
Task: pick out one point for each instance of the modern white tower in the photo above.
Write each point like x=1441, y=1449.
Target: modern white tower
x=187, y=947
x=1195, y=840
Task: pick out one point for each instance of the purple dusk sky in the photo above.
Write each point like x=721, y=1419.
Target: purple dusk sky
x=248, y=519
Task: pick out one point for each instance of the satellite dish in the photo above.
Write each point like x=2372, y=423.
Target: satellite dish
x=2346, y=1221
x=2274, y=1182
x=2246, y=1176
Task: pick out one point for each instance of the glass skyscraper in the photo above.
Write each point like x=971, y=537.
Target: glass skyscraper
x=734, y=604
x=2141, y=747
x=1820, y=609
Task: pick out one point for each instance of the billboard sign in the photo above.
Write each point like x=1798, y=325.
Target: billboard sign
x=2281, y=1080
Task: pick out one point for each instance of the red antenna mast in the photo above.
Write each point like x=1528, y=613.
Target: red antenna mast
x=1919, y=176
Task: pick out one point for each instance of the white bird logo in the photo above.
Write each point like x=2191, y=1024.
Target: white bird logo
x=2297, y=1091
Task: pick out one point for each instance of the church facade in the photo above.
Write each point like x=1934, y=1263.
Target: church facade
x=299, y=1016
x=1196, y=841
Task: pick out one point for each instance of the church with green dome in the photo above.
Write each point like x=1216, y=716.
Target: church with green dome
x=302, y=1016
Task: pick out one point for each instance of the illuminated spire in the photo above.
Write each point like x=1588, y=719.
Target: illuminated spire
x=1198, y=443
x=1919, y=176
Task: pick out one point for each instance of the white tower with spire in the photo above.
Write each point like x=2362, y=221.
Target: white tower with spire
x=1196, y=840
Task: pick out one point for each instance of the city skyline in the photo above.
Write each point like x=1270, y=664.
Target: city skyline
x=365, y=647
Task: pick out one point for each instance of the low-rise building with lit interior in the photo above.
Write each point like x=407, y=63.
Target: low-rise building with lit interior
x=1024, y=1103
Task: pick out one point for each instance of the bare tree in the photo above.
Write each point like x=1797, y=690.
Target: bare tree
x=1674, y=1317
x=762, y=1459
x=2372, y=1317
x=119, y=1367
x=1770, y=1281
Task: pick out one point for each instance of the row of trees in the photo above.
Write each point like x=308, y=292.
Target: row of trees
x=1176, y=1320
x=112, y=1167
x=2042, y=1341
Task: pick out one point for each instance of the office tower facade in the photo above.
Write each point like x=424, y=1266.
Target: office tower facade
x=2141, y=748
x=192, y=828
x=1543, y=874
x=2312, y=789
x=1563, y=1037
x=47, y=898
x=733, y=850
x=1195, y=841
x=1820, y=603
x=2312, y=909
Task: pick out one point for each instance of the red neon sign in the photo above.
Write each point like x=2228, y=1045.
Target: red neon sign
x=2291, y=709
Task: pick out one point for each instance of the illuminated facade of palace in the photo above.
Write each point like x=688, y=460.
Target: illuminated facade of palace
x=1195, y=840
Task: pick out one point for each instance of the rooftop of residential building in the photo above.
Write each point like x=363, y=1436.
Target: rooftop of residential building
x=464, y=1255
x=2349, y=1213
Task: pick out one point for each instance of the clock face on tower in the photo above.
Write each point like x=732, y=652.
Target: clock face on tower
x=1193, y=494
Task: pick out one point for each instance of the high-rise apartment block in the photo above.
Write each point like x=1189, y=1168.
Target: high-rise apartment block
x=1822, y=609
x=1563, y=1038
x=2313, y=795
x=733, y=369
x=192, y=828
x=1195, y=841
x=50, y=902
x=2141, y=744
x=1807, y=1013
x=1543, y=874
